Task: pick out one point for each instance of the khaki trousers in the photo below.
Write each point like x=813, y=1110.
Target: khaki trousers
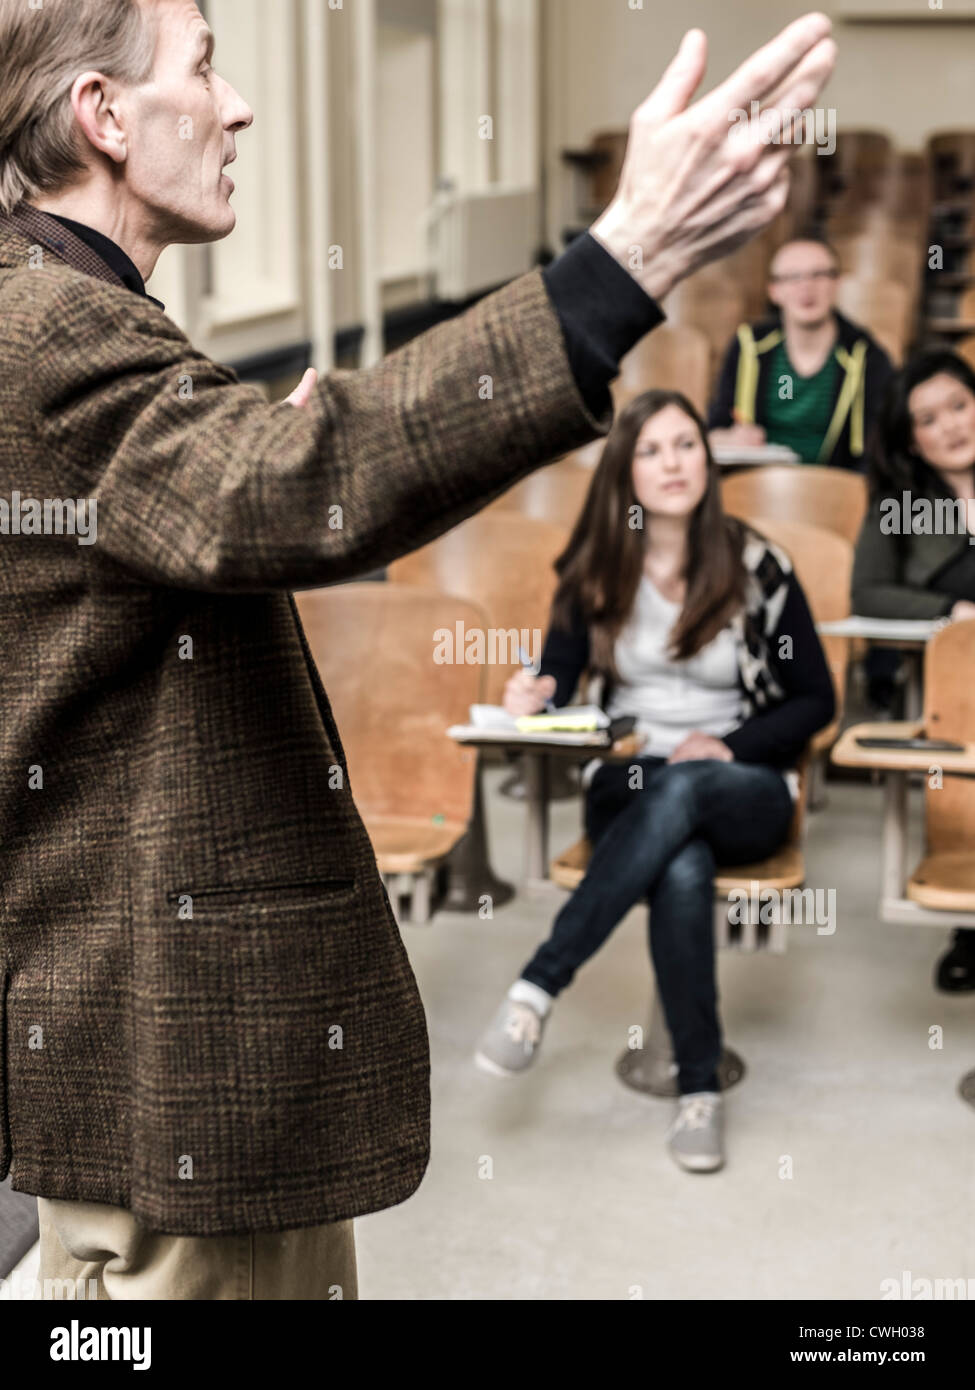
x=94, y=1251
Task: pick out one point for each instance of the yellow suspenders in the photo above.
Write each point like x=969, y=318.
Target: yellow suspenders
x=746, y=385
x=849, y=402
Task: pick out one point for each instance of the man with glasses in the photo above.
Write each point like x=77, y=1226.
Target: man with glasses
x=805, y=377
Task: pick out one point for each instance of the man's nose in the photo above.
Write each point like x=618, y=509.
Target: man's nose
x=237, y=114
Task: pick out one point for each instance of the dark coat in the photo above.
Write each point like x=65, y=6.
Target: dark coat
x=263, y=1065
x=856, y=416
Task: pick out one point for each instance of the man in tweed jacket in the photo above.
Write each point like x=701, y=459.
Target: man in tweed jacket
x=191, y=907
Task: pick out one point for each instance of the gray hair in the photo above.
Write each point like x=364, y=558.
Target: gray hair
x=45, y=45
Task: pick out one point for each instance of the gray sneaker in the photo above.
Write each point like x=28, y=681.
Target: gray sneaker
x=696, y=1138
x=510, y=1041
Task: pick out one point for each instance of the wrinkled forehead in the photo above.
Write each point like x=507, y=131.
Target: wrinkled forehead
x=181, y=30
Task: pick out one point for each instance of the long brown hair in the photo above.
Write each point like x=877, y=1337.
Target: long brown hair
x=601, y=567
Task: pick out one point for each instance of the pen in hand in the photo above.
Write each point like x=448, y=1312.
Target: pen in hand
x=529, y=665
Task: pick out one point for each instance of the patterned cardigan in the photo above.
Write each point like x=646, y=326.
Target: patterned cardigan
x=783, y=671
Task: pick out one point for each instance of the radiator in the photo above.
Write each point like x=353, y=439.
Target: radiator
x=480, y=240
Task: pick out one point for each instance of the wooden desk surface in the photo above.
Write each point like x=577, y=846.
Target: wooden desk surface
x=848, y=753
x=625, y=747
x=900, y=632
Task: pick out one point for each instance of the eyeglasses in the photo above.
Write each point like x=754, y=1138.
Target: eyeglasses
x=797, y=276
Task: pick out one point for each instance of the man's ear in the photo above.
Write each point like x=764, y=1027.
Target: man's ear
x=93, y=100
x=774, y=294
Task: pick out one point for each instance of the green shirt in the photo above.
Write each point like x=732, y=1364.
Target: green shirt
x=800, y=422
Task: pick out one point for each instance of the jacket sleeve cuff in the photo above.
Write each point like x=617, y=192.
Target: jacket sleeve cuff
x=603, y=313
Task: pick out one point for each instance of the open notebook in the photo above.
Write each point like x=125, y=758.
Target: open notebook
x=576, y=725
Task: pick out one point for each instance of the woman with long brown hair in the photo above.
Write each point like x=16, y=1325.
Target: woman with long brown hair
x=697, y=625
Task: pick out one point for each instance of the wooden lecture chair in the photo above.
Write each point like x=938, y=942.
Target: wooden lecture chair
x=556, y=493
x=881, y=306
x=823, y=562
x=944, y=881
x=940, y=892
x=966, y=349
x=674, y=357
x=505, y=563
x=952, y=157
x=373, y=644
x=870, y=256
x=711, y=301
x=832, y=498
x=502, y=561
x=651, y=1068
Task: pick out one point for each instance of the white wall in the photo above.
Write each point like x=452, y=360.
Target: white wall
x=603, y=57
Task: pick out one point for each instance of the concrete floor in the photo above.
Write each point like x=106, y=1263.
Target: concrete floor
x=583, y=1201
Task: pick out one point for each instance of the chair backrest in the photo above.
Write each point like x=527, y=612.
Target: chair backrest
x=674, y=357
x=949, y=713
x=907, y=187
x=611, y=144
x=966, y=349
x=882, y=306
x=859, y=165
x=375, y=647
x=823, y=563
x=952, y=156
x=505, y=563
x=832, y=498
x=800, y=209
x=712, y=302
x=870, y=255
x=556, y=493
x=877, y=221
x=749, y=266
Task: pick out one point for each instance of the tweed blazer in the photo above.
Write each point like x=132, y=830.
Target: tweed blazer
x=207, y=1014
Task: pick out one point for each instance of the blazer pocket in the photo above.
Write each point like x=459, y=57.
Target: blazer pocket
x=249, y=1043
x=266, y=895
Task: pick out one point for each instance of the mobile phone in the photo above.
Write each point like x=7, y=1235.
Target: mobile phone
x=912, y=745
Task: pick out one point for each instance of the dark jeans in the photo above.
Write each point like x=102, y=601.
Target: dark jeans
x=663, y=841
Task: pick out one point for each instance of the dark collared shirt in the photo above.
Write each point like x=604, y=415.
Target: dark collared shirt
x=111, y=253
x=602, y=310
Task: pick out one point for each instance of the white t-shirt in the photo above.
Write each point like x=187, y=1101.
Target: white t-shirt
x=671, y=698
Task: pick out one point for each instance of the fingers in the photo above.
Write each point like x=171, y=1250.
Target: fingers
x=803, y=85
x=527, y=694
x=767, y=69
x=305, y=389
x=680, y=81
x=780, y=124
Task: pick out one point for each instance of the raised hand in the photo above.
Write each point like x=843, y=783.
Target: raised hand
x=698, y=181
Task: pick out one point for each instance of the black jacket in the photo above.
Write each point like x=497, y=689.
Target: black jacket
x=867, y=368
